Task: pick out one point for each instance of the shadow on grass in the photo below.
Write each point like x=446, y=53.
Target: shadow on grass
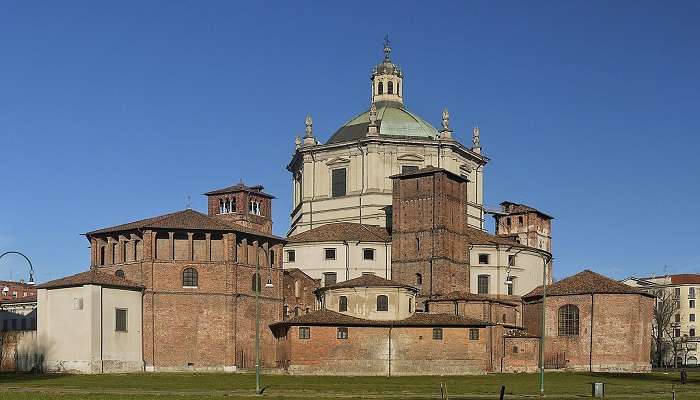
x=9, y=377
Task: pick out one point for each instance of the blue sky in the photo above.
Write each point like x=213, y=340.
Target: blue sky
x=111, y=112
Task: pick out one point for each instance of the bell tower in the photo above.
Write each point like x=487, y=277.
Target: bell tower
x=387, y=79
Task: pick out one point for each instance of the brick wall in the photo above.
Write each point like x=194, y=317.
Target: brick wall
x=388, y=351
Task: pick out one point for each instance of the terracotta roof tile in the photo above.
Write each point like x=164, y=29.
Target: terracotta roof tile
x=516, y=208
x=585, y=282
x=368, y=280
x=92, y=277
x=241, y=187
x=341, y=231
x=328, y=317
x=477, y=236
x=185, y=219
x=466, y=296
x=681, y=279
x=427, y=171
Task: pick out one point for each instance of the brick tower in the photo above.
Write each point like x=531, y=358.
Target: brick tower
x=430, y=249
x=524, y=224
x=247, y=206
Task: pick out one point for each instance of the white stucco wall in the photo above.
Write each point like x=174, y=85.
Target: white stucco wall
x=310, y=258
x=527, y=272
x=84, y=340
x=362, y=302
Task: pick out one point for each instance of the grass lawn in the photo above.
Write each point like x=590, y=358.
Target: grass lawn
x=558, y=385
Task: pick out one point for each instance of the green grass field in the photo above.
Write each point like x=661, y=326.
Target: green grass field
x=558, y=385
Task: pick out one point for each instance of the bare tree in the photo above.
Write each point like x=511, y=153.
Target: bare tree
x=665, y=308
x=8, y=339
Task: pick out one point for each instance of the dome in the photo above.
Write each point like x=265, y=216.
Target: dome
x=393, y=120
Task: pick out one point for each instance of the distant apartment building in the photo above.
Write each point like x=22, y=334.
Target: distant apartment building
x=684, y=288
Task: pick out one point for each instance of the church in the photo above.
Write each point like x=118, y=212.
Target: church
x=387, y=269
x=343, y=196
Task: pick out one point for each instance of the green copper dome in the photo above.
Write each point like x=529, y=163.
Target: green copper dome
x=393, y=121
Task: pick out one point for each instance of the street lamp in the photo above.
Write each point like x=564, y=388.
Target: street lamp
x=546, y=258
x=31, y=268
x=257, y=324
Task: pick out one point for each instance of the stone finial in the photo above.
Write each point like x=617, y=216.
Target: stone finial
x=373, y=130
x=387, y=48
x=445, y=132
x=297, y=142
x=309, y=126
x=476, y=139
x=309, y=138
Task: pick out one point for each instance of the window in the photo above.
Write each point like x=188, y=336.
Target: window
x=233, y=205
x=408, y=168
x=691, y=293
x=568, y=320
x=329, y=254
x=342, y=333
x=691, y=332
x=417, y=244
x=520, y=221
x=677, y=293
x=691, y=304
x=291, y=256
x=255, y=283
x=515, y=349
x=382, y=303
x=677, y=332
x=189, y=277
x=102, y=255
x=338, y=182
x=692, y=317
x=272, y=258
x=304, y=332
x=474, y=334
x=508, y=221
x=119, y=273
x=504, y=319
x=78, y=303
x=343, y=303
x=390, y=87
x=330, y=278
x=677, y=318
x=381, y=88
x=419, y=279
x=120, y=324
x=254, y=207
x=483, y=258
x=511, y=260
x=368, y=254
x=410, y=305
x=437, y=333
x=483, y=284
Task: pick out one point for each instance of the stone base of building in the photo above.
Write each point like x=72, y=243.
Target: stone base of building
x=92, y=367
x=624, y=367
x=186, y=368
x=395, y=368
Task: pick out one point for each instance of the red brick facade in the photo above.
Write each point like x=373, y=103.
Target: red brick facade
x=299, y=294
x=429, y=247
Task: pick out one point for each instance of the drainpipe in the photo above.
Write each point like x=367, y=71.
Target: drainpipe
x=102, y=366
x=386, y=260
x=590, y=350
x=347, y=260
x=389, y=358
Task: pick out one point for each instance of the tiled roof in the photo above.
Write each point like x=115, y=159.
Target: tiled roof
x=427, y=171
x=466, y=296
x=681, y=279
x=92, y=277
x=585, y=282
x=241, y=187
x=519, y=333
x=185, y=219
x=368, y=280
x=477, y=236
x=522, y=208
x=342, y=231
x=328, y=317
x=25, y=299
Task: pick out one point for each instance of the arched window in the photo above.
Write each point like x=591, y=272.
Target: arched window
x=255, y=283
x=382, y=303
x=297, y=288
x=221, y=206
x=398, y=93
x=342, y=303
x=119, y=273
x=417, y=244
x=380, y=88
x=233, y=204
x=390, y=87
x=102, y=255
x=272, y=258
x=419, y=279
x=568, y=320
x=190, y=277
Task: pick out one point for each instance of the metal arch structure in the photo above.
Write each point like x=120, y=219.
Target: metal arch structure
x=31, y=267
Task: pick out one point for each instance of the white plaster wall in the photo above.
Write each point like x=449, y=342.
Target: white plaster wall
x=362, y=302
x=310, y=258
x=527, y=271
